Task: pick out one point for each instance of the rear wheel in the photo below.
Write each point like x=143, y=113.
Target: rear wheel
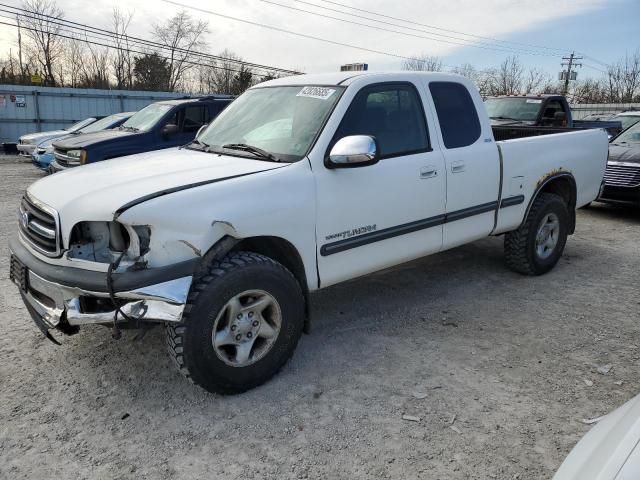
x=242, y=323
x=538, y=244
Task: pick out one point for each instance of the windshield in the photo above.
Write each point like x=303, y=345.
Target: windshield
x=632, y=135
x=103, y=124
x=80, y=124
x=146, y=118
x=283, y=121
x=627, y=120
x=524, y=109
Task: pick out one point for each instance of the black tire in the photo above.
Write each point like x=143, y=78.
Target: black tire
x=190, y=343
x=520, y=245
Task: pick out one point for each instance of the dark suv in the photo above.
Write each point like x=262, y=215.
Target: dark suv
x=159, y=125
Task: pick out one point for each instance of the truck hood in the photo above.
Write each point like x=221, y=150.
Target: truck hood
x=97, y=191
x=86, y=139
x=624, y=153
x=36, y=138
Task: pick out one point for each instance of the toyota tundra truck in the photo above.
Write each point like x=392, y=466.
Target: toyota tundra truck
x=301, y=183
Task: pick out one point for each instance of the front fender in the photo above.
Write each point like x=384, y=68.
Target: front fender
x=187, y=223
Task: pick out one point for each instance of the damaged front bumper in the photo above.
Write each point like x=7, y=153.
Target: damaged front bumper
x=66, y=296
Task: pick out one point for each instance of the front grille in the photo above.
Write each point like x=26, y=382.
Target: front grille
x=65, y=160
x=619, y=174
x=39, y=226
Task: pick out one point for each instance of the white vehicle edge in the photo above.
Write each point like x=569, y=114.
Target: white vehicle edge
x=165, y=236
x=610, y=450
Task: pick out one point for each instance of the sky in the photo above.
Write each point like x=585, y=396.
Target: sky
x=604, y=30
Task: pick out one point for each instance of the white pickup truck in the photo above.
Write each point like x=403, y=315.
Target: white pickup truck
x=301, y=183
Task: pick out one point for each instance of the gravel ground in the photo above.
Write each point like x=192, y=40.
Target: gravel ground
x=498, y=368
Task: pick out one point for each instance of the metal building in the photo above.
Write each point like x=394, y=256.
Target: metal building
x=27, y=109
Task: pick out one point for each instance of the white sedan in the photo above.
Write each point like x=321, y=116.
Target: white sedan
x=28, y=143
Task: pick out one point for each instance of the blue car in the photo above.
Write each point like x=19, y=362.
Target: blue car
x=42, y=155
x=166, y=124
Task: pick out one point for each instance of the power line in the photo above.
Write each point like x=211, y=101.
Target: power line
x=213, y=66
x=283, y=30
x=140, y=41
x=434, y=36
x=594, y=68
x=427, y=25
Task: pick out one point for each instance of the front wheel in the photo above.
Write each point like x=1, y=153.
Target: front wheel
x=536, y=247
x=242, y=322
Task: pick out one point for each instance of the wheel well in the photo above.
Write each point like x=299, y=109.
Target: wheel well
x=278, y=249
x=563, y=185
x=285, y=253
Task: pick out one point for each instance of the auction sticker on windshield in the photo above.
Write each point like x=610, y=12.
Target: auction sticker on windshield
x=321, y=93
x=533, y=100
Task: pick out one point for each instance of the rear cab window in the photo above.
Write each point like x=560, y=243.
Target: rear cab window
x=457, y=114
x=195, y=116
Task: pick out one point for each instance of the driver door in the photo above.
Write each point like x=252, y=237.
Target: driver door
x=375, y=216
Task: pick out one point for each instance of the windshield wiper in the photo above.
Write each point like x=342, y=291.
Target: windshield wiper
x=258, y=152
x=204, y=147
x=132, y=129
x=505, y=118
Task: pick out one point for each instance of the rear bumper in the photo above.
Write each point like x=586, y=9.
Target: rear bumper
x=55, y=294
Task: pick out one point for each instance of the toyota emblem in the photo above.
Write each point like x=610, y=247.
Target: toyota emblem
x=24, y=219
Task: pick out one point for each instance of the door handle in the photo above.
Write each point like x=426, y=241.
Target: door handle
x=428, y=172
x=457, y=167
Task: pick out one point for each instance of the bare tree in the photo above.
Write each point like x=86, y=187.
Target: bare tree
x=95, y=67
x=225, y=71
x=590, y=91
x=181, y=35
x=42, y=31
x=74, y=59
x=423, y=63
x=624, y=79
x=122, y=59
x=535, y=79
x=508, y=78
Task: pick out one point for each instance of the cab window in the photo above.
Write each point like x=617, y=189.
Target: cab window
x=392, y=114
x=195, y=117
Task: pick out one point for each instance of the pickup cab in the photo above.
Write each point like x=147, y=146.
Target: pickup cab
x=301, y=183
x=546, y=111
x=159, y=125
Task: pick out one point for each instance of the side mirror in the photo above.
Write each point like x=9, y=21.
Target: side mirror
x=201, y=129
x=169, y=129
x=353, y=151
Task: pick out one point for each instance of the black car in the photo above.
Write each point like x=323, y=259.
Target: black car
x=159, y=125
x=622, y=177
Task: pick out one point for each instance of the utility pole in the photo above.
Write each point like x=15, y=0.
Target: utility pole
x=20, y=48
x=569, y=62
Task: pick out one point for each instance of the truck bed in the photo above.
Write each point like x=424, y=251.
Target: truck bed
x=527, y=162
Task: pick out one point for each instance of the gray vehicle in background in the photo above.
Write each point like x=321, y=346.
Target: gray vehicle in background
x=28, y=143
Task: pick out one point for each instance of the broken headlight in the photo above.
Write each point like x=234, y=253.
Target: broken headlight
x=100, y=241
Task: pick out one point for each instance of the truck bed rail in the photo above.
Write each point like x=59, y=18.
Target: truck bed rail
x=502, y=132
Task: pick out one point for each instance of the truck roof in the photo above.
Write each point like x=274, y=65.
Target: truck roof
x=345, y=78
x=178, y=101
x=529, y=95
